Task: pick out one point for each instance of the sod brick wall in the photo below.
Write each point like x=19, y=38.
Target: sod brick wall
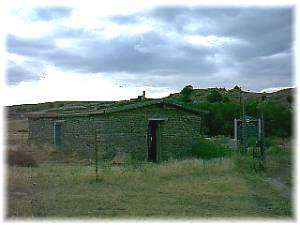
x=123, y=131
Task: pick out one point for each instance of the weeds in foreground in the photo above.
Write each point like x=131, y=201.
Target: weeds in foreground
x=206, y=149
x=21, y=156
x=219, y=187
x=176, y=188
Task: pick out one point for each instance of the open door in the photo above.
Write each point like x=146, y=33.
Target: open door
x=154, y=140
x=152, y=143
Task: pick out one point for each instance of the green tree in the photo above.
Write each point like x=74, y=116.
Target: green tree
x=219, y=121
x=252, y=108
x=226, y=99
x=277, y=119
x=187, y=93
x=214, y=96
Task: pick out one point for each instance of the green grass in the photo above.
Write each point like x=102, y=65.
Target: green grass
x=280, y=164
x=208, y=149
x=176, y=189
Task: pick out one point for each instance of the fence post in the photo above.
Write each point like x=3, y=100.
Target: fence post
x=96, y=155
x=235, y=133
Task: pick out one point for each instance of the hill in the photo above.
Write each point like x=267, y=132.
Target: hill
x=233, y=95
x=197, y=96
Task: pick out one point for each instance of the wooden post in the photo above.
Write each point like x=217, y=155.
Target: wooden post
x=244, y=134
x=96, y=156
x=235, y=132
x=158, y=142
x=259, y=129
x=262, y=137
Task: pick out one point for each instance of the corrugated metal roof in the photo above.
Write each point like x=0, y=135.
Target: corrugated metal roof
x=113, y=109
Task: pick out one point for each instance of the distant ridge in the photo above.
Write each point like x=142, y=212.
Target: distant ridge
x=198, y=95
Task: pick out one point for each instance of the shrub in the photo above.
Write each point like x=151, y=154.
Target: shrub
x=276, y=151
x=206, y=149
x=245, y=164
x=251, y=141
x=119, y=158
x=186, y=93
x=214, y=96
x=21, y=157
x=269, y=142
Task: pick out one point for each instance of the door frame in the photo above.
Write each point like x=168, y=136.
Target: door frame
x=158, y=138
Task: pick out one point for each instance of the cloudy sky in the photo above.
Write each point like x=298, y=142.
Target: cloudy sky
x=110, y=52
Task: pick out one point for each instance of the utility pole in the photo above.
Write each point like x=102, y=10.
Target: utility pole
x=244, y=134
x=96, y=155
x=92, y=128
x=262, y=138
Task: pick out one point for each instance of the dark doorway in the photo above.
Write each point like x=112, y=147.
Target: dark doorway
x=152, y=141
x=57, y=135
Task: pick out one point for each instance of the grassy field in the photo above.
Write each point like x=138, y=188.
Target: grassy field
x=174, y=189
x=186, y=188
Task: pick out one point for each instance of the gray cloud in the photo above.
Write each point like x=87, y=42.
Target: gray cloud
x=29, y=46
x=26, y=71
x=50, y=13
x=73, y=33
x=272, y=67
x=257, y=50
x=148, y=53
x=266, y=30
x=125, y=19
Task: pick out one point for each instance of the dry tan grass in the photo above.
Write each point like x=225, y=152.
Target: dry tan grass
x=21, y=156
x=185, y=189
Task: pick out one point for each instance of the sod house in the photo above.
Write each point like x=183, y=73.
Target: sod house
x=152, y=130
